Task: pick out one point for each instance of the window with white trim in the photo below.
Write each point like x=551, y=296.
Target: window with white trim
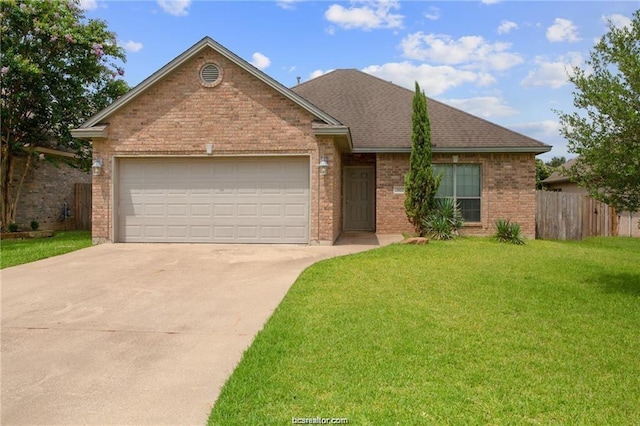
x=463, y=183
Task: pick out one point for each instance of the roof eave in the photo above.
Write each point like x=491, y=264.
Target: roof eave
x=460, y=150
x=88, y=133
x=187, y=55
x=336, y=131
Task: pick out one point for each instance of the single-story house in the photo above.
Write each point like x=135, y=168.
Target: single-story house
x=558, y=181
x=211, y=149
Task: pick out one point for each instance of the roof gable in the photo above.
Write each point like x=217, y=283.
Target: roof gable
x=207, y=42
x=560, y=175
x=378, y=114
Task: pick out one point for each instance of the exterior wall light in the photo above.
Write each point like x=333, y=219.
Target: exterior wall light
x=96, y=167
x=323, y=166
x=209, y=148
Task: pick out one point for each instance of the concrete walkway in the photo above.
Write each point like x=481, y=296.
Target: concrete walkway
x=140, y=333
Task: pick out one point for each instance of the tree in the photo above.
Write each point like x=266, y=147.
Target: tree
x=556, y=162
x=420, y=184
x=542, y=172
x=605, y=133
x=56, y=70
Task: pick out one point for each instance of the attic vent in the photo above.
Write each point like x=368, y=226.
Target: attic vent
x=210, y=75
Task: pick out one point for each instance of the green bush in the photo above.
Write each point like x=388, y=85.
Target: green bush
x=13, y=227
x=508, y=232
x=445, y=220
x=35, y=225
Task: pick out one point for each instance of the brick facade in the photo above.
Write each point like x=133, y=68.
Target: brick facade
x=177, y=116
x=46, y=188
x=508, y=191
x=242, y=115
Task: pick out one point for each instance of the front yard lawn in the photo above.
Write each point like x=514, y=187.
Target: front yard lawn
x=464, y=332
x=17, y=252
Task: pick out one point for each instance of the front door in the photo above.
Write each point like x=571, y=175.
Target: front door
x=359, y=199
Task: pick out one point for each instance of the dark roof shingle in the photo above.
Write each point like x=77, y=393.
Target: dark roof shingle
x=378, y=114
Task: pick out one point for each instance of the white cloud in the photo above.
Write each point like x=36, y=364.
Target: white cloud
x=538, y=129
x=260, y=61
x=88, y=4
x=506, y=27
x=562, y=30
x=489, y=1
x=318, y=73
x=434, y=80
x=474, y=52
x=287, y=4
x=618, y=21
x=483, y=106
x=433, y=13
x=552, y=73
x=132, y=46
x=372, y=15
x=175, y=7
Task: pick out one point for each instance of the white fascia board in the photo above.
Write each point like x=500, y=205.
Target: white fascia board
x=335, y=131
x=91, y=132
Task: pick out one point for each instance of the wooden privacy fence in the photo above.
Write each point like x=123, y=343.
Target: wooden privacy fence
x=82, y=206
x=571, y=216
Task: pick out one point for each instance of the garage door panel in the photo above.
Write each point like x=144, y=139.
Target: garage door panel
x=250, y=199
x=295, y=211
x=223, y=210
x=203, y=210
x=177, y=231
x=245, y=210
x=295, y=232
x=271, y=210
x=177, y=210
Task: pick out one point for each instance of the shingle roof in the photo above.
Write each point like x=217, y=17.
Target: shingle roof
x=378, y=114
x=560, y=174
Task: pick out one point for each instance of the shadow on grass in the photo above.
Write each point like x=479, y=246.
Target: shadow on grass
x=625, y=283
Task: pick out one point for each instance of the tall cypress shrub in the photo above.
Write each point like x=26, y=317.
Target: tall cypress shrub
x=420, y=183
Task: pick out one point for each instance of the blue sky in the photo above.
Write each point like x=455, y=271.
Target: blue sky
x=502, y=60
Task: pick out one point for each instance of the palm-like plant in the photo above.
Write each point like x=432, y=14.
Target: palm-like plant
x=445, y=220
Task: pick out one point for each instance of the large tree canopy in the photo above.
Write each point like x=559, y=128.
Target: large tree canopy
x=56, y=69
x=605, y=131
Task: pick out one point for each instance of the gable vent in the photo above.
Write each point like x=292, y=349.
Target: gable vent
x=210, y=74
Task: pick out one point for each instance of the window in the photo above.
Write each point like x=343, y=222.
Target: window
x=462, y=183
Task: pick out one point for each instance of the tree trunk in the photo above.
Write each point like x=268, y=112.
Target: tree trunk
x=13, y=206
x=6, y=172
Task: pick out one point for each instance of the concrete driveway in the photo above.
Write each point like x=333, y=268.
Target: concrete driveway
x=138, y=333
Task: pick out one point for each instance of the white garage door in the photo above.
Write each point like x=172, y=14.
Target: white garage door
x=219, y=200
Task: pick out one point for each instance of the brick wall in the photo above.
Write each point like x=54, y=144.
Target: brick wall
x=47, y=186
x=177, y=116
x=391, y=217
x=508, y=191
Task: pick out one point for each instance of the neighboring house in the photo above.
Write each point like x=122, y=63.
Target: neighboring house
x=560, y=182
x=47, y=190
x=210, y=149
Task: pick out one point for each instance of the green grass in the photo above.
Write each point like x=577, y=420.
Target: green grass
x=464, y=332
x=17, y=252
